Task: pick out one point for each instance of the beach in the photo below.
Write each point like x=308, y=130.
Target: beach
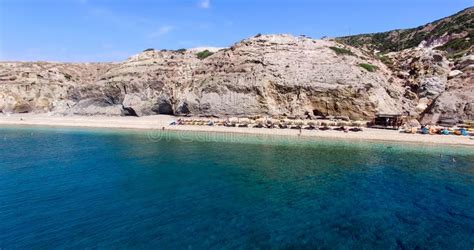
x=160, y=122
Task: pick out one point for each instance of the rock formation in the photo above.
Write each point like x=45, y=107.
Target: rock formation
x=435, y=63
x=263, y=75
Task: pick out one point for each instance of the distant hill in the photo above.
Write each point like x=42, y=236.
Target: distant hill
x=454, y=34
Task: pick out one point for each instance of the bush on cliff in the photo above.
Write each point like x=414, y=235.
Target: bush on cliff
x=204, y=54
x=342, y=51
x=368, y=67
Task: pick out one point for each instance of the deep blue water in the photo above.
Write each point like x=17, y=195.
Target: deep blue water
x=70, y=188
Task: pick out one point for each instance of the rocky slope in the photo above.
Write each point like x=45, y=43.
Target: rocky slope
x=264, y=75
x=290, y=75
x=434, y=62
x=454, y=34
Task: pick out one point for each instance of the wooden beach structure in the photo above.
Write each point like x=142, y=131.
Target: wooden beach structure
x=387, y=121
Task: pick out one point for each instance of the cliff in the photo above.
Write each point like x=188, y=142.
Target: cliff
x=266, y=75
x=263, y=75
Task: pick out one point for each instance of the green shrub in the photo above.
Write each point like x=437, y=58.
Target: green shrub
x=149, y=49
x=458, y=45
x=342, y=51
x=368, y=67
x=385, y=59
x=181, y=50
x=204, y=54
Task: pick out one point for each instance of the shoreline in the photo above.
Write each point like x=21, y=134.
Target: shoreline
x=162, y=121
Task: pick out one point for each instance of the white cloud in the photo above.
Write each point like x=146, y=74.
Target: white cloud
x=163, y=30
x=205, y=4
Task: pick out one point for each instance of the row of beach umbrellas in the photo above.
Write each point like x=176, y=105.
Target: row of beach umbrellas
x=271, y=121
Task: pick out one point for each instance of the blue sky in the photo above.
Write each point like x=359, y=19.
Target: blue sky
x=112, y=30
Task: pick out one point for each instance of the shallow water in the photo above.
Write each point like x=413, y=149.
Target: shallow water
x=100, y=188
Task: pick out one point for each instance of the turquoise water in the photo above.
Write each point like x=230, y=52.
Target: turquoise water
x=70, y=188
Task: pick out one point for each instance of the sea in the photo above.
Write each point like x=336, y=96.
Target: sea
x=67, y=188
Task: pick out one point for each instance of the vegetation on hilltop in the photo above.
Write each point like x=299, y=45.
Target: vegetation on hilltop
x=457, y=29
x=204, y=54
x=368, y=67
x=342, y=51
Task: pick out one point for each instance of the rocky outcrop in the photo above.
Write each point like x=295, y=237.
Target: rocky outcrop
x=458, y=104
x=433, y=61
x=276, y=75
x=423, y=71
x=43, y=87
x=264, y=75
x=453, y=34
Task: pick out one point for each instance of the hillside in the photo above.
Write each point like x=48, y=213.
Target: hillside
x=262, y=75
x=454, y=34
x=265, y=75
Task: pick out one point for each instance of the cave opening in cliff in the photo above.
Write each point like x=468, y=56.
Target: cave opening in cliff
x=129, y=112
x=164, y=108
x=318, y=113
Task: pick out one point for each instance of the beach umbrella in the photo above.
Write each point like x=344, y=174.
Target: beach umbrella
x=260, y=120
x=270, y=121
x=234, y=120
x=342, y=123
x=300, y=122
x=244, y=120
x=356, y=124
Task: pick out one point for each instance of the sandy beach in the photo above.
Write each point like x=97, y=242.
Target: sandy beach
x=162, y=121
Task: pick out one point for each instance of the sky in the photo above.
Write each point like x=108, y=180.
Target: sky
x=113, y=30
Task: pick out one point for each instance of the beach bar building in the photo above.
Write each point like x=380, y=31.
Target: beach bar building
x=387, y=121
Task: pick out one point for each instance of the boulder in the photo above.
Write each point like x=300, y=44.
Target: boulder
x=132, y=105
x=432, y=86
x=455, y=73
x=465, y=62
x=422, y=105
x=454, y=104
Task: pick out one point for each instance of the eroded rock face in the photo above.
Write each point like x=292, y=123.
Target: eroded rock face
x=457, y=104
x=423, y=71
x=43, y=87
x=433, y=84
x=263, y=75
x=291, y=75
